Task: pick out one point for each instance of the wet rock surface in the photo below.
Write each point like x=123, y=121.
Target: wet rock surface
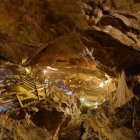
x=54, y=118
x=95, y=36
x=118, y=118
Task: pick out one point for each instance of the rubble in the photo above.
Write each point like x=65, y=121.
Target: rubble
x=98, y=39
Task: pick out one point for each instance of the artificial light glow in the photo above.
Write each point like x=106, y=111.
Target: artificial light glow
x=95, y=107
x=50, y=68
x=106, y=81
x=69, y=93
x=27, y=70
x=44, y=71
x=87, y=104
x=101, y=85
x=82, y=99
x=96, y=104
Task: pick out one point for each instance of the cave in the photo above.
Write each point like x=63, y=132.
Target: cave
x=69, y=69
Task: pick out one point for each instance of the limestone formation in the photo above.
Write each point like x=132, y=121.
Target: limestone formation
x=69, y=69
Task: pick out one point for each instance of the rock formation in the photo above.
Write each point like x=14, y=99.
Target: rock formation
x=93, y=46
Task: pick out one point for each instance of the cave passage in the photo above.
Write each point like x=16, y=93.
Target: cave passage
x=69, y=69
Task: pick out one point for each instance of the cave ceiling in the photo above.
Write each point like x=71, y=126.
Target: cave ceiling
x=87, y=35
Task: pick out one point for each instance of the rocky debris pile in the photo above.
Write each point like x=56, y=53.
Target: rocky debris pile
x=108, y=125
x=57, y=117
x=119, y=118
